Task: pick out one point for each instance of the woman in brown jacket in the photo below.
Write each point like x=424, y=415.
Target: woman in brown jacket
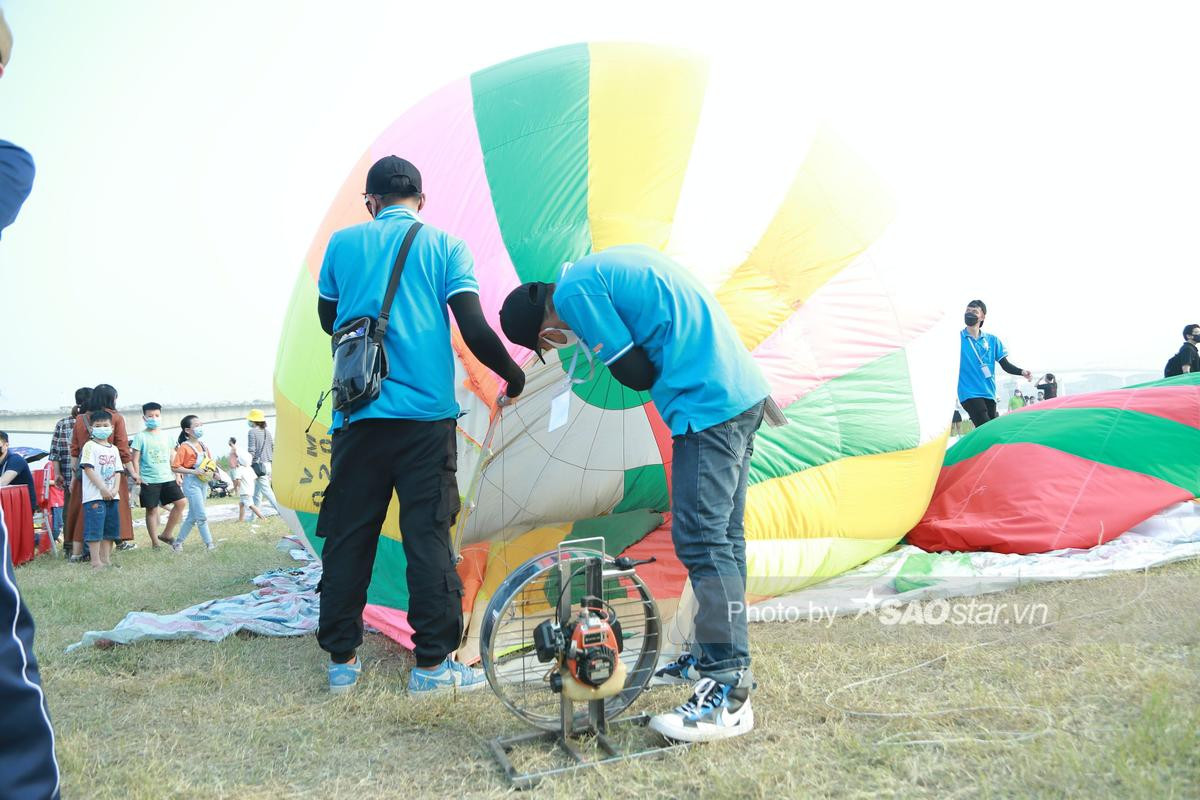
x=104, y=398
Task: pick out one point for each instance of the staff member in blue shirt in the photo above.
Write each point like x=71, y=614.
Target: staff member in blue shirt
x=656, y=328
x=404, y=440
x=28, y=769
x=977, y=361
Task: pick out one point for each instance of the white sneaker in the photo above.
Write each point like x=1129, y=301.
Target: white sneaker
x=177, y=547
x=715, y=711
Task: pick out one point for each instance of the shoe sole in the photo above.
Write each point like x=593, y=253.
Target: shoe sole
x=342, y=689
x=446, y=691
x=712, y=734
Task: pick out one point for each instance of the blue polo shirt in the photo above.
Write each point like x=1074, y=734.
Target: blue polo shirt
x=358, y=263
x=974, y=355
x=634, y=295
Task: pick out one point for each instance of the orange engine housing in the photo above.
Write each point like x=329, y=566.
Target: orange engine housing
x=593, y=648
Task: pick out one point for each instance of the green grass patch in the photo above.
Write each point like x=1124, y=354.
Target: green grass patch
x=250, y=717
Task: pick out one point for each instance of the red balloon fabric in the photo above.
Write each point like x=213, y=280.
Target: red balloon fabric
x=1071, y=472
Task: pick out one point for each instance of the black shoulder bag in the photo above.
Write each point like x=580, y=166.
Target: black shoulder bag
x=256, y=458
x=359, y=360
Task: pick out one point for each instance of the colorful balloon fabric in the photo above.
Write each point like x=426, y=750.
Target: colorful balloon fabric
x=1075, y=471
x=543, y=159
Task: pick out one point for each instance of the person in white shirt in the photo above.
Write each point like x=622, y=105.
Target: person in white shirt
x=243, y=481
x=101, y=463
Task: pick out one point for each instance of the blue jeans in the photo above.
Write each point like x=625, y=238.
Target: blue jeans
x=708, y=503
x=194, y=490
x=101, y=520
x=262, y=489
x=56, y=521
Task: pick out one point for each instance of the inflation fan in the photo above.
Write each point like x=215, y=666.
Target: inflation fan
x=569, y=641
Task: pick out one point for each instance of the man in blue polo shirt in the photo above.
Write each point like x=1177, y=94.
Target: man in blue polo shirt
x=657, y=329
x=404, y=440
x=978, y=356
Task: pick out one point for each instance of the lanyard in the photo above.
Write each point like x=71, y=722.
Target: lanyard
x=560, y=406
x=571, y=379
x=975, y=350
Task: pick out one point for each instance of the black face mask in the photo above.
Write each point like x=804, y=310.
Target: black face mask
x=970, y=319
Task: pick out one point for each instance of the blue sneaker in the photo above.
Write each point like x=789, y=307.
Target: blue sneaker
x=344, y=677
x=682, y=670
x=444, y=679
x=715, y=711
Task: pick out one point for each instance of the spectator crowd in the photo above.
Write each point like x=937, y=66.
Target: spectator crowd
x=99, y=471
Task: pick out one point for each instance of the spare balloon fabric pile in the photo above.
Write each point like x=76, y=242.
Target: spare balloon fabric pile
x=1070, y=472
x=543, y=159
x=284, y=604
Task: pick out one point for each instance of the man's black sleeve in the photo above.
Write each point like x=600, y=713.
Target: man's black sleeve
x=327, y=312
x=483, y=341
x=1008, y=367
x=634, y=370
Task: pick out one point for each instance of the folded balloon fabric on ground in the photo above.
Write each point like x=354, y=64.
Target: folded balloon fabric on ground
x=285, y=603
x=1072, y=472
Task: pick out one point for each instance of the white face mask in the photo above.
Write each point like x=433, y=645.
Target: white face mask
x=571, y=339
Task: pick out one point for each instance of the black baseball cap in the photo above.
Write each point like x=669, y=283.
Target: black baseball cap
x=393, y=175
x=522, y=314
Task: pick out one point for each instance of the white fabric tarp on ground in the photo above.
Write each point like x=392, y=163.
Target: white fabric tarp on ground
x=909, y=573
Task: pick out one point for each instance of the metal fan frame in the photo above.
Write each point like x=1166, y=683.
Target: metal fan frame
x=567, y=559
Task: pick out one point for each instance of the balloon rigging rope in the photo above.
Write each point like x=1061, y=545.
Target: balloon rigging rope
x=906, y=738
x=492, y=451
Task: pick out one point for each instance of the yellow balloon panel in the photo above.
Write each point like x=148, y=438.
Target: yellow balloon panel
x=779, y=566
x=865, y=497
x=639, y=139
x=833, y=212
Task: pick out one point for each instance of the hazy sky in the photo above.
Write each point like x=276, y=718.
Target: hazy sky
x=1046, y=158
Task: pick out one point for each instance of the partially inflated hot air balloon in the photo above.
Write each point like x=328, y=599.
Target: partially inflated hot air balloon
x=1045, y=477
x=543, y=159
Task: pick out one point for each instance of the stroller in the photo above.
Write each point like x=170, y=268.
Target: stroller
x=219, y=486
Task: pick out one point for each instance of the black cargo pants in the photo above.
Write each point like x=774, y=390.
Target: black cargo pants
x=371, y=459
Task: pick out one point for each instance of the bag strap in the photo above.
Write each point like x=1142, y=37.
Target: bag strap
x=397, y=268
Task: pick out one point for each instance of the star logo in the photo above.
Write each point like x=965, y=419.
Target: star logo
x=870, y=603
